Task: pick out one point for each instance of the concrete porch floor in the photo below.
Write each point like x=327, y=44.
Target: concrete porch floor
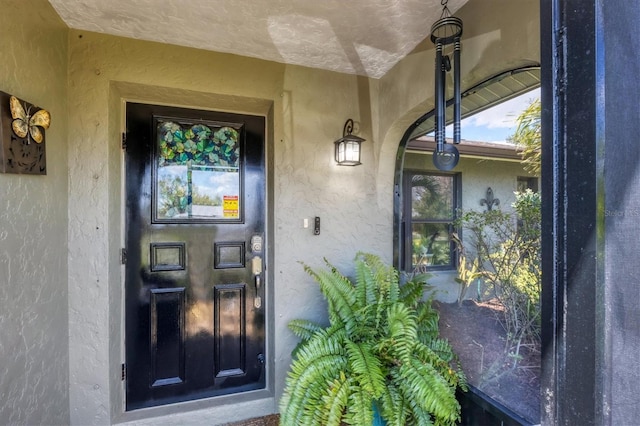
x=271, y=420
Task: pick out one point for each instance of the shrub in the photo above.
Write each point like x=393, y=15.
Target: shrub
x=381, y=350
x=508, y=250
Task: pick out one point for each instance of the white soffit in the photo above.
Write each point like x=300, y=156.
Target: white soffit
x=364, y=37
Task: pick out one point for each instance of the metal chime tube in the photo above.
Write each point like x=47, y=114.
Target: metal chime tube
x=457, y=98
x=445, y=31
x=439, y=98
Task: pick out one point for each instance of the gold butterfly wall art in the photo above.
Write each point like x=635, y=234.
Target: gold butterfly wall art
x=25, y=124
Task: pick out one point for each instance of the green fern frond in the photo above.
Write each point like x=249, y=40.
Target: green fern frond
x=360, y=409
x=394, y=407
x=305, y=386
x=394, y=285
x=292, y=408
x=402, y=330
x=365, y=283
x=366, y=368
x=424, y=386
x=439, y=353
x=428, y=318
x=318, y=347
x=419, y=416
x=412, y=292
x=337, y=399
x=338, y=291
x=386, y=278
x=402, y=321
x=380, y=313
x=442, y=348
x=304, y=329
x=313, y=414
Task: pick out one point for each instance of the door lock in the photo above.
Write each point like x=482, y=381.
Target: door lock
x=256, y=244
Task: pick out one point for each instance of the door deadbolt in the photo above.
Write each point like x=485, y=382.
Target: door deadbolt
x=256, y=243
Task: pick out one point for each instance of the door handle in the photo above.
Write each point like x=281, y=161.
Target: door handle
x=256, y=268
x=257, y=300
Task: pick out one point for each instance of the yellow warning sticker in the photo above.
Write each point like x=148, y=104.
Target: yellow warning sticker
x=230, y=206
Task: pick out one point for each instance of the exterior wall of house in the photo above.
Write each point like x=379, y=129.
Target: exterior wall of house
x=477, y=175
x=34, y=354
x=306, y=111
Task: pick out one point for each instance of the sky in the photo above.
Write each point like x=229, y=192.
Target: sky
x=495, y=124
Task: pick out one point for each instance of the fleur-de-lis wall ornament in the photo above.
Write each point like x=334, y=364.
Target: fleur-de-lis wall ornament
x=490, y=201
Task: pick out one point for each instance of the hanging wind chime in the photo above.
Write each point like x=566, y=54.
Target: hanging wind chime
x=445, y=32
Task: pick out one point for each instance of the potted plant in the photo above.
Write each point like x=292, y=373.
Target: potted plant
x=380, y=355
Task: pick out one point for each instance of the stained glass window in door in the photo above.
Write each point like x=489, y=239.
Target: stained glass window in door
x=197, y=173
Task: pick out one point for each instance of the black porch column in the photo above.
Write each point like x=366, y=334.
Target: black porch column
x=591, y=212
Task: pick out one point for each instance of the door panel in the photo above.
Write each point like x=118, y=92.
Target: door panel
x=167, y=336
x=195, y=184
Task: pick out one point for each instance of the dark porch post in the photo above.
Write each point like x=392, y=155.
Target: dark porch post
x=591, y=212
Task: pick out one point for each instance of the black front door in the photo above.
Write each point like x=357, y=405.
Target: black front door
x=195, y=185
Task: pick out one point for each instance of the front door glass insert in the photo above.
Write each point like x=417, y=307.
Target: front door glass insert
x=197, y=173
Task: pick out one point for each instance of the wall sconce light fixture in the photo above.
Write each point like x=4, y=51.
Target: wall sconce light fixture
x=348, y=147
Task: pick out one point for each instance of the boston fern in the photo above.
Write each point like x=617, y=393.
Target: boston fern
x=381, y=351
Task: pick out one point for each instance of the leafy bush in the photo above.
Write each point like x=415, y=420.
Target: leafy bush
x=528, y=136
x=508, y=250
x=380, y=350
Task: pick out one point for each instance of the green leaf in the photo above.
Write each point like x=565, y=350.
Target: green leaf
x=304, y=329
x=337, y=399
x=366, y=368
x=360, y=409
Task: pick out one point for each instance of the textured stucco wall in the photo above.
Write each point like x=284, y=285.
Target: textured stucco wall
x=34, y=355
x=307, y=110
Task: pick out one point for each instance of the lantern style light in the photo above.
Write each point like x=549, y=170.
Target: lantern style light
x=348, y=146
x=446, y=31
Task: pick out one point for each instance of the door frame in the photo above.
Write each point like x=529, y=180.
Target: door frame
x=259, y=401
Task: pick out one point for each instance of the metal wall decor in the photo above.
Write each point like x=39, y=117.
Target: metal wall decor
x=22, y=136
x=444, y=32
x=490, y=201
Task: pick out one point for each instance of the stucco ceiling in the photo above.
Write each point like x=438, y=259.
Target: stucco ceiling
x=364, y=37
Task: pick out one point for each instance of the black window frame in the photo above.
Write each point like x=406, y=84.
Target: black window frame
x=409, y=221
x=529, y=182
